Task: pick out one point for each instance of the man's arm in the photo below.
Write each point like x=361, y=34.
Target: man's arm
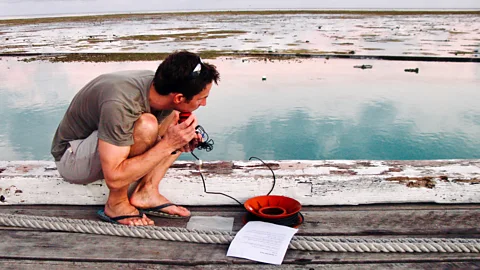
x=119, y=170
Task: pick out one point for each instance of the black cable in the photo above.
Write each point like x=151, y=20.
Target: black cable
x=195, y=158
x=208, y=192
x=219, y=193
x=273, y=186
x=293, y=220
x=207, y=144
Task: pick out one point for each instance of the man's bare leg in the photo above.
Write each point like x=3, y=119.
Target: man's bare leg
x=145, y=134
x=146, y=194
x=119, y=205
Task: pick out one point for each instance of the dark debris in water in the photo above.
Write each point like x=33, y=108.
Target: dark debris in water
x=415, y=70
x=363, y=66
x=229, y=54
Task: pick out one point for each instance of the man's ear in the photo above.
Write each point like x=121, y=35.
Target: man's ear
x=178, y=98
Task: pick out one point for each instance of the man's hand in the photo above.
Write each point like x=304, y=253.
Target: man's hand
x=183, y=136
x=193, y=143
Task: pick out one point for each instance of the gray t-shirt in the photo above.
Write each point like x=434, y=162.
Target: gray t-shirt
x=111, y=103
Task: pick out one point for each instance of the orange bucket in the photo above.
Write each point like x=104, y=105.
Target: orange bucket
x=272, y=206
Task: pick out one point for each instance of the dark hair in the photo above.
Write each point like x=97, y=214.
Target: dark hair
x=175, y=75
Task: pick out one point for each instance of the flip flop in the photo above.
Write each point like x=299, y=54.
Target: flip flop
x=101, y=214
x=156, y=211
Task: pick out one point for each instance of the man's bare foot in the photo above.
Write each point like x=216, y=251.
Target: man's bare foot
x=126, y=209
x=144, y=197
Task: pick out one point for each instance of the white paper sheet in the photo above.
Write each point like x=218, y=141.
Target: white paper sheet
x=261, y=241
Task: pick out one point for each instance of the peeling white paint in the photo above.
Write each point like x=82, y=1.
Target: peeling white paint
x=371, y=170
x=328, y=182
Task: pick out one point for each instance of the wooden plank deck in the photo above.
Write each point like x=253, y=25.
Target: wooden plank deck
x=369, y=199
x=27, y=248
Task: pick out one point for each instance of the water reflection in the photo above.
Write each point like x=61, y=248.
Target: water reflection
x=309, y=109
x=376, y=136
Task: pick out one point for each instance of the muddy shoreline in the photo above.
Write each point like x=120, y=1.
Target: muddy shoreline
x=391, y=35
x=125, y=57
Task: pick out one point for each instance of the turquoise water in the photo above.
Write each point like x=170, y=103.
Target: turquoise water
x=309, y=109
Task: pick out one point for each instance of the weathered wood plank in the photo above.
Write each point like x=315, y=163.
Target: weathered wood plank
x=62, y=265
x=54, y=250
x=311, y=182
x=29, y=245
x=386, y=220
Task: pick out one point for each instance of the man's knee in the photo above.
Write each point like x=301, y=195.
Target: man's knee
x=145, y=133
x=146, y=126
x=162, y=128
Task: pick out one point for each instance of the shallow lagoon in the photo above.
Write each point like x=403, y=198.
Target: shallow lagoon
x=306, y=109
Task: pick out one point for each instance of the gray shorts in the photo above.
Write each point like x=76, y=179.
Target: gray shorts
x=80, y=164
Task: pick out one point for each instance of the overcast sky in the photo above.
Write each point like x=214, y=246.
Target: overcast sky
x=34, y=7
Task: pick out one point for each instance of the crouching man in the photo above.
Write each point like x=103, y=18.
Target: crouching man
x=123, y=127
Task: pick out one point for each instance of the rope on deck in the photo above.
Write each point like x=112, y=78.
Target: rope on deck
x=330, y=244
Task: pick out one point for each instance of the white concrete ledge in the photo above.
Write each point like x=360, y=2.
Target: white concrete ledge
x=323, y=182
